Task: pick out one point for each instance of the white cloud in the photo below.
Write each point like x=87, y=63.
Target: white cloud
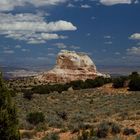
x=6, y=24
x=114, y=2
x=32, y=28
x=117, y=53
x=70, y=5
x=42, y=58
x=25, y=50
x=38, y=3
x=134, y=51
x=35, y=41
x=135, y=36
x=18, y=47
x=88, y=34
x=85, y=6
x=107, y=37
x=8, y=5
x=8, y=51
x=108, y=43
x=60, y=45
x=51, y=54
x=136, y=1
x=93, y=18
x=49, y=36
x=63, y=46
x=74, y=47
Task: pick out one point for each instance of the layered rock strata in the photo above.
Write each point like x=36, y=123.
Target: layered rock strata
x=70, y=66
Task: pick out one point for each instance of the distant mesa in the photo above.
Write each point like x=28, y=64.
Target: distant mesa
x=70, y=66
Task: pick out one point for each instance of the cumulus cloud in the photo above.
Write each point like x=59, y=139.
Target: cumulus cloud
x=10, y=22
x=134, y=51
x=38, y=3
x=32, y=28
x=135, y=36
x=8, y=5
x=114, y=2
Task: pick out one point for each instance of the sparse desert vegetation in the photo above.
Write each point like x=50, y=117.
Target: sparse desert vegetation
x=83, y=109
x=80, y=110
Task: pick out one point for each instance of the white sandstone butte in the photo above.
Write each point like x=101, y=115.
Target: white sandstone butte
x=70, y=66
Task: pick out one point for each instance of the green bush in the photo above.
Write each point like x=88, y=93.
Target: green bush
x=12, y=93
x=84, y=136
x=119, y=82
x=41, y=89
x=27, y=135
x=35, y=118
x=134, y=84
x=76, y=126
x=63, y=115
x=115, y=129
x=128, y=131
x=27, y=94
x=77, y=85
x=41, y=127
x=103, y=130
x=59, y=87
x=54, y=121
x=89, y=83
x=88, y=135
x=105, y=127
x=46, y=89
x=134, y=75
x=52, y=136
x=98, y=82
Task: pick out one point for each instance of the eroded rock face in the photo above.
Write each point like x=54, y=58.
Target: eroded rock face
x=70, y=66
x=72, y=60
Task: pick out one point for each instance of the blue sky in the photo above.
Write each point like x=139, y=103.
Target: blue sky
x=33, y=32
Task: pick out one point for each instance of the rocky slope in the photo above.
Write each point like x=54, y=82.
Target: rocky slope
x=70, y=66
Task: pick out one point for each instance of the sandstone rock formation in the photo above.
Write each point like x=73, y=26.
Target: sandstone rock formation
x=70, y=66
